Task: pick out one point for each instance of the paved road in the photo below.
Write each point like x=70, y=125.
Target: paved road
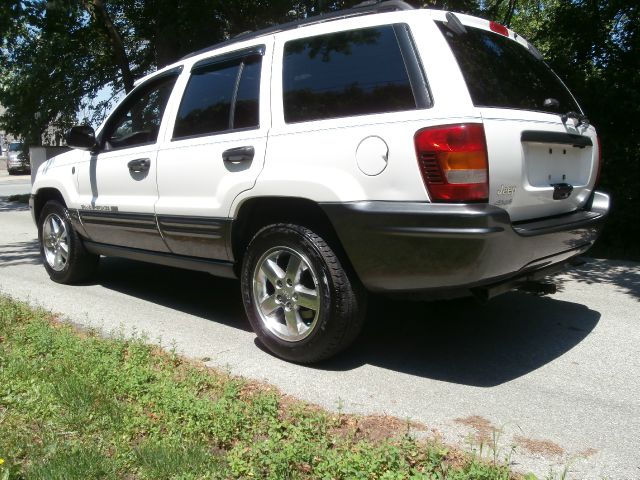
x=13, y=184
x=558, y=376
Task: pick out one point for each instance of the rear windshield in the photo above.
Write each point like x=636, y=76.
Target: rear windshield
x=502, y=73
x=15, y=147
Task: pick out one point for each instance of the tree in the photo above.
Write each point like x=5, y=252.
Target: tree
x=58, y=54
x=105, y=24
x=51, y=65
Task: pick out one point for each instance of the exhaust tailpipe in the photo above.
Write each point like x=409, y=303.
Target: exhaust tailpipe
x=538, y=288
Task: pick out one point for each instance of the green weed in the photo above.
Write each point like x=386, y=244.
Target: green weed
x=76, y=405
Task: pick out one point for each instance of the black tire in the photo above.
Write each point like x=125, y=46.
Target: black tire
x=80, y=265
x=11, y=171
x=342, y=299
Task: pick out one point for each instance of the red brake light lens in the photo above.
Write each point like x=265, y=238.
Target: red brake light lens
x=453, y=162
x=498, y=28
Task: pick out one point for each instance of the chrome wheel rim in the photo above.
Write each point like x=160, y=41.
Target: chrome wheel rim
x=287, y=294
x=55, y=240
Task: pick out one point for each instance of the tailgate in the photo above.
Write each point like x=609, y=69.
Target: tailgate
x=538, y=169
x=543, y=156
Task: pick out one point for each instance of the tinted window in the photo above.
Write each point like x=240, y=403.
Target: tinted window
x=211, y=103
x=138, y=121
x=502, y=73
x=247, y=108
x=206, y=104
x=343, y=74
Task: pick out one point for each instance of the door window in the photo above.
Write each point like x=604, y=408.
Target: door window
x=246, y=111
x=220, y=97
x=137, y=122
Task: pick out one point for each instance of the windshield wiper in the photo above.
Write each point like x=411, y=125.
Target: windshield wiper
x=454, y=24
x=582, y=119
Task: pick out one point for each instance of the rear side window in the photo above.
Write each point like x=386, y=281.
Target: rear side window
x=342, y=74
x=500, y=72
x=220, y=96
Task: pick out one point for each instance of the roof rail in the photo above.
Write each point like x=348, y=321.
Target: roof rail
x=367, y=7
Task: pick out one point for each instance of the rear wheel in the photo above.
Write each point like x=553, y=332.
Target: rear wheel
x=301, y=303
x=63, y=254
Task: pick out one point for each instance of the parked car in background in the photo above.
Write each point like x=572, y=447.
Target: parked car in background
x=17, y=159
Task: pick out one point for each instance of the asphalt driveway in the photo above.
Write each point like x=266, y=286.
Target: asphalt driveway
x=557, y=377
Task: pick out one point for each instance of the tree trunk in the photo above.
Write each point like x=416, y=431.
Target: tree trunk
x=101, y=17
x=510, y=11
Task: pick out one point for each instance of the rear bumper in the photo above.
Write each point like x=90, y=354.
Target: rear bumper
x=448, y=250
x=15, y=164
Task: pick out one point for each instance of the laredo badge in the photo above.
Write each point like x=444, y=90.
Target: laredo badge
x=99, y=208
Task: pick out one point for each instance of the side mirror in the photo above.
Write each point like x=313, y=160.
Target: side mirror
x=82, y=137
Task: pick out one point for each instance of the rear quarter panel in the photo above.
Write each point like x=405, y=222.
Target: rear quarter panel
x=317, y=159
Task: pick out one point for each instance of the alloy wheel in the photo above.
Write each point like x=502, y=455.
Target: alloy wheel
x=287, y=294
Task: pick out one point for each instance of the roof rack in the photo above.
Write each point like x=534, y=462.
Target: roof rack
x=367, y=7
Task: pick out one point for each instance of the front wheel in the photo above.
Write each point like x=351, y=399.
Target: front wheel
x=300, y=301
x=63, y=254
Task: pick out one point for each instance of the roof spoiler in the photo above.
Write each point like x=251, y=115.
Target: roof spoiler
x=382, y=5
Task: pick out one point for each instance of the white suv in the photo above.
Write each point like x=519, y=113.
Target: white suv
x=377, y=149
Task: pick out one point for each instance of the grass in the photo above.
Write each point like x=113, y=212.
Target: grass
x=77, y=405
x=21, y=198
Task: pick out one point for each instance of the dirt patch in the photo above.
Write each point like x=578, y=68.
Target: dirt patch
x=375, y=428
x=81, y=331
x=251, y=389
x=484, y=429
x=587, y=452
x=539, y=447
x=456, y=458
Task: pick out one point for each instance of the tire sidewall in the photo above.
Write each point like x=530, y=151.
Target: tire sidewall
x=317, y=341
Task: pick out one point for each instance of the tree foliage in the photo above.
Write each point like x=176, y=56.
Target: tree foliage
x=57, y=55
x=47, y=53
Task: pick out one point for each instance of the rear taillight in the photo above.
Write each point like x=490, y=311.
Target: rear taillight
x=453, y=162
x=599, y=168
x=498, y=28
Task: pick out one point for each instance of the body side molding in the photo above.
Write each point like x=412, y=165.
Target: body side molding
x=214, y=267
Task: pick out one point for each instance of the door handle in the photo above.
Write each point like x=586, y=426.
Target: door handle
x=239, y=154
x=139, y=165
